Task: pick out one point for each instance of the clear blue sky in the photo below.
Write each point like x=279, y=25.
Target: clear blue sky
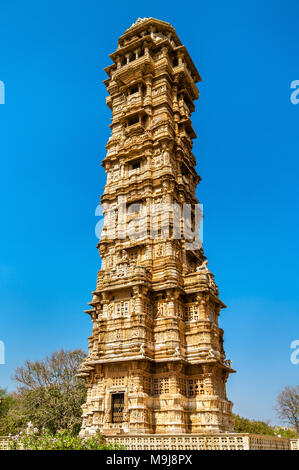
x=54, y=127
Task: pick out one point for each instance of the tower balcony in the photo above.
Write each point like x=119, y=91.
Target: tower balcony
x=127, y=72
x=183, y=70
x=133, y=102
x=123, y=275
x=135, y=128
x=200, y=281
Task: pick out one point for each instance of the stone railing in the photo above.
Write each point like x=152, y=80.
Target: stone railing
x=3, y=443
x=124, y=271
x=228, y=441
x=261, y=442
x=200, y=281
x=294, y=444
x=197, y=442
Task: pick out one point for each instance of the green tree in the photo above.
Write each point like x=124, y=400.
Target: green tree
x=11, y=416
x=5, y=402
x=252, y=426
x=287, y=406
x=49, y=394
x=289, y=433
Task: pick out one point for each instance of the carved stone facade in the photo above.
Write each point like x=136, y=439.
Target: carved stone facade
x=156, y=361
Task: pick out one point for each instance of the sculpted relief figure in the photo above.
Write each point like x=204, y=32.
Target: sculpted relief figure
x=142, y=349
x=123, y=257
x=110, y=309
x=162, y=309
x=203, y=267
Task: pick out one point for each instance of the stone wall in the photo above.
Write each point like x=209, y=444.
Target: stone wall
x=205, y=442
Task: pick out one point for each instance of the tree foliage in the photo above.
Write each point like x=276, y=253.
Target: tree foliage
x=288, y=433
x=11, y=415
x=287, y=406
x=252, y=426
x=6, y=402
x=49, y=394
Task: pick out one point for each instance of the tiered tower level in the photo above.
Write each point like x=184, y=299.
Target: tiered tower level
x=156, y=362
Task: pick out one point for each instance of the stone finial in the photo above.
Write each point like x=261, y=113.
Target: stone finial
x=137, y=22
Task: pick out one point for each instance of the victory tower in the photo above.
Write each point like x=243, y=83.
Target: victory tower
x=156, y=362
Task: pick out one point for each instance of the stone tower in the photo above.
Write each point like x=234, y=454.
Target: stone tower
x=156, y=362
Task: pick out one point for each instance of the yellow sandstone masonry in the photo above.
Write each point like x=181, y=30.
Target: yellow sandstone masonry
x=156, y=363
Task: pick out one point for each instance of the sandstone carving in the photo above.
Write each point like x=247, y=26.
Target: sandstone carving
x=156, y=362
